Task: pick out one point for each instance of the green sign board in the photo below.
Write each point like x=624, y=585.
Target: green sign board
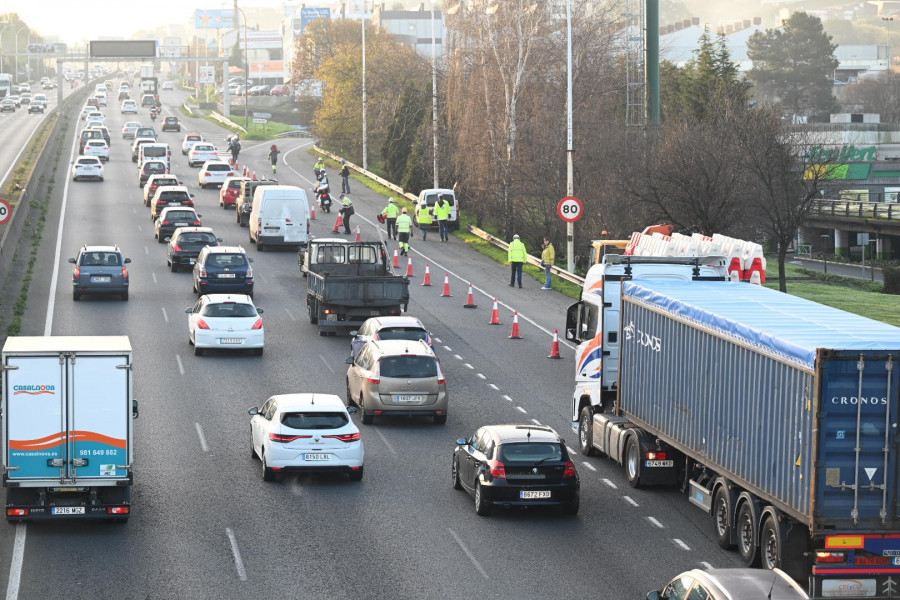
x=820, y=154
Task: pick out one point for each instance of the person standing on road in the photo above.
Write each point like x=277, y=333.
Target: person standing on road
x=273, y=156
x=517, y=256
x=345, y=177
x=404, y=227
x=442, y=214
x=548, y=257
x=390, y=212
x=424, y=218
x=346, y=212
x=235, y=146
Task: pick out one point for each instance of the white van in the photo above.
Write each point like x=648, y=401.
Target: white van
x=427, y=200
x=154, y=151
x=280, y=217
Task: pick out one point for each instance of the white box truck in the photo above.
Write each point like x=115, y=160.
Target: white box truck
x=67, y=427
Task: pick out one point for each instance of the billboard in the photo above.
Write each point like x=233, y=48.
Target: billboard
x=122, y=48
x=260, y=40
x=214, y=19
x=308, y=15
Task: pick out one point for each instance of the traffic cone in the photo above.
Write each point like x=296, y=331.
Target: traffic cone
x=470, y=299
x=515, y=330
x=396, y=256
x=495, y=314
x=427, y=280
x=254, y=175
x=446, y=293
x=554, y=349
x=338, y=224
x=409, y=270
x=312, y=212
x=358, y=234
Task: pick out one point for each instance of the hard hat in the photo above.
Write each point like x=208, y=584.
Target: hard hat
x=404, y=210
x=515, y=237
x=391, y=200
x=343, y=161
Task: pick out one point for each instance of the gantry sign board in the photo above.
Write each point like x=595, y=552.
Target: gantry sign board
x=123, y=48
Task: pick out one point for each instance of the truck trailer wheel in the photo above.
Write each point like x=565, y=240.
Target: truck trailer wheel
x=585, y=432
x=721, y=514
x=771, y=544
x=747, y=535
x=633, y=462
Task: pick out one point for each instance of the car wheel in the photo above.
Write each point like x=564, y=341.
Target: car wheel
x=198, y=351
x=571, y=507
x=366, y=418
x=356, y=475
x=260, y=247
x=76, y=296
x=125, y=296
x=454, y=474
x=747, y=535
x=482, y=507
x=174, y=266
x=721, y=514
x=633, y=462
x=160, y=239
x=440, y=419
x=257, y=351
x=101, y=179
x=585, y=432
x=268, y=474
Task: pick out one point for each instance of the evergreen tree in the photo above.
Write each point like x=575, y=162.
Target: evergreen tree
x=401, y=133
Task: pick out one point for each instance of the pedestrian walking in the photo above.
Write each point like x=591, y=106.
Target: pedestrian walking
x=424, y=218
x=273, y=156
x=404, y=227
x=345, y=177
x=390, y=212
x=442, y=214
x=346, y=212
x=517, y=256
x=235, y=146
x=548, y=258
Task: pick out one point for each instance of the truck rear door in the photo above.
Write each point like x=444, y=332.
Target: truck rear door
x=100, y=417
x=35, y=426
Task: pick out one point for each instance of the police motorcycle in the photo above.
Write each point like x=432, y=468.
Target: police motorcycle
x=323, y=194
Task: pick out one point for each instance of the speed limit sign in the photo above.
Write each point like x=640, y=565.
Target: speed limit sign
x=5, y=211
x=569, y=209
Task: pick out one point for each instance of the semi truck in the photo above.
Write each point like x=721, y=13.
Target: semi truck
x=349, y=282
x=775, y=415
x=67, y=427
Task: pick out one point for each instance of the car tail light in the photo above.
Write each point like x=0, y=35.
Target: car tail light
x=657, y=456
x=258, y=224
x=346, y=437
x=830, y=557
x=176, y=247
x=283, y=438
x=16, y=512
x=441, y=378
x=249, y=272
x=258, y=324
x=118, y=510
x=202, y=271
x=569, y=470
x=498, y=469
x=166, y=222
x=207, y=174
x=375, y=377
x=196, y=221
x=77, y=272
x=201, y=324
x=124, y=272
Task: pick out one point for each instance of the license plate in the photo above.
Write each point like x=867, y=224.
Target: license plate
x=191, y=261
x=315, y=457
x=531, y=494
x=68, y=510
x=231, y=341
x=226, y=275
x=659, y=463
x=181, y=224
x=102, y=279
x=417, y=399
x=271, y=228
x=331, y=317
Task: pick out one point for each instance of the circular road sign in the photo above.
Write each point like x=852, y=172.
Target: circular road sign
x=5, y=211
x=569, y=209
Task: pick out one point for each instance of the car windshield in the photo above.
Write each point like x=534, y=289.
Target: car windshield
x=198, y=237
x=227, y=260
x=314, y=420
x=408, y=366
x=228, y=309
x=97, y=259
x=402, y=333
x=531, y=452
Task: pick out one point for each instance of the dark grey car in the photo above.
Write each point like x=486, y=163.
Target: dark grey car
x=185, y=245
x=99, y=270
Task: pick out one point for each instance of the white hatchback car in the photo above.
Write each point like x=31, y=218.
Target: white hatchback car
x=225, y=322
x=201, y=152
x=214, y=172
x=129, y=129
x=87, y=167
x=129, y=106
x=306, y=432
x=98, y=148
x=189, y=140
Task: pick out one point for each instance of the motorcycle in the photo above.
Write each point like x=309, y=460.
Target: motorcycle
x=153, y=114
x=325, y=201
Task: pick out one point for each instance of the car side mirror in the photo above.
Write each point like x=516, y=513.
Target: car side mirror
x=349, y=360
x=653, y=596
x=127, y=260
x=189, y=310
x=462, y=442
x=352, y=410
x=354, y=333
x=259, y=310
x=167, y=239
x=72, y=260
x=218, y=239
x=249, y=259
x=253, y=411
x=191, y=194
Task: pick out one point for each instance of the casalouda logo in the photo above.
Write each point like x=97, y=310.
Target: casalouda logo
x=34, y=390
x=642, y=338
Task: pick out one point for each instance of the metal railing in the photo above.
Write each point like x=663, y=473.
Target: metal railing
x=561, y=273
x=856, y=210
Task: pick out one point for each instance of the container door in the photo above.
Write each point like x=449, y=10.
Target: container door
x=100, y=417
x=35, y=426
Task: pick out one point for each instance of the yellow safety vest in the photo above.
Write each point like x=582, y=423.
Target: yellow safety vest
x=517, y=252
x=404, y=224
x=391, y=211
x=423, y=214
x=442, y=210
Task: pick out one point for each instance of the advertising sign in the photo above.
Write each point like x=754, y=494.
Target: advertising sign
x=214, y=19
x=308, y=15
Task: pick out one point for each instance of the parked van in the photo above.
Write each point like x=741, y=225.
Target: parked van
x=154, y=151
x=425, y=205
x=280, y=217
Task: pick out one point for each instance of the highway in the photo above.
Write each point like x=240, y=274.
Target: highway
x=204, y=523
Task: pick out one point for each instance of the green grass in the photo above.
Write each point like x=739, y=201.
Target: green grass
x=881, y=307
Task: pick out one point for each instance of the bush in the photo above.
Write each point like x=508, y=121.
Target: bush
x=891, y=280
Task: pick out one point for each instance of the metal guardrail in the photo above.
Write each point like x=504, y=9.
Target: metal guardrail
x=856, y=210
x=369, y=174
x=225, y=121
x=294, y=133
x=561, y=273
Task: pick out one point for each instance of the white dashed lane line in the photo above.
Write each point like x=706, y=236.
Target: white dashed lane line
x=203, y=445
x=154, y=277
x=236, y=554
x=327, y=366
x=507, y=398
x=457, y=357
x=590, y=466
x=535, y=421
x=147, y=250
x=706, y=565
x=468, y=366
x=386, y=442
x=609, y=483
x=630, y=500
x=180, y=366
x=448, y=348
x=481, y=376
x=655, y=522
x=521, y=410
x=681, y=544
x=468, y=554
x=493, y=387
x=289, y=314
x=165, y=315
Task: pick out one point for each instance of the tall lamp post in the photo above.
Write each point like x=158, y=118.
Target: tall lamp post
x=246, y=73
x=16, y=50
x=365, y=134
x=434, y=103
x=2, y=29
x=825, y=238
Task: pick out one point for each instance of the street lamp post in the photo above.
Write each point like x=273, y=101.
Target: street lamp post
x=874, y=246
x=246, y=73
x=365, y=135
x=2, y=29
x=16, y=50
x=434, y=104
x=825, y=237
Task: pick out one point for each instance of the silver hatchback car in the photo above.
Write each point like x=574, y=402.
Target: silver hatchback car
x=397, y=377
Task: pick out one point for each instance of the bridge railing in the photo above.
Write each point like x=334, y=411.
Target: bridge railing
x=857, y=210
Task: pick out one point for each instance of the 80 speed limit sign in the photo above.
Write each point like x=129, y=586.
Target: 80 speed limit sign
x=569, y=209
x=5, y=211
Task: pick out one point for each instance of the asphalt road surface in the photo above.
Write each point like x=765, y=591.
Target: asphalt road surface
x=205, y=525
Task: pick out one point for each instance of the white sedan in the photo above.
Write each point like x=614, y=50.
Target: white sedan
x=189, y=140
x=201, y=152
x=227, y=322
x=87, y=167
x=129, y=106
x=304, y=433
x=214, y=172
x=98, y=148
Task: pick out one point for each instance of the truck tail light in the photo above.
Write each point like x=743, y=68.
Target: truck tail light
x=285, y=438
x=259, y=325
x=118, y=510
x=569, y=470
x=16, y=512
x=657, y=455
x=201, y=324
x=375, y=376
x=830, y=557
x=498, y=469
x=346, y=437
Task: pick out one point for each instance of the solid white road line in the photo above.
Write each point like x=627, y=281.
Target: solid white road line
x=236, y=553
x=327, y=366
x=468, y=554
x=180, y=366
x=15, y=567
x=203, y=445
x=681, y=544
x=655, y=522
x=630, y=500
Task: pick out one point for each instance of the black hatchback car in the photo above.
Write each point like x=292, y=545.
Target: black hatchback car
x=171, y=124
x=99, y=270
x=186, y=243
x=516, y=465
x=223, y=270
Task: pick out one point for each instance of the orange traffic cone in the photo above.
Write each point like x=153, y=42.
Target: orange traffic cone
x=446, y=293
x=495, y=314
x=409, y=270
x=396, y=257
x=554, y=349
x=254, y=175
x=312, y=212
x=427, y=280
x=470, y=299
x=358, y=235
x=515, y=330
x=338, y=224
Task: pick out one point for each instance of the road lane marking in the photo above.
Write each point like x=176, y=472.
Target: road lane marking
x=609, y=483
x=630, y=500
x=468, y=554
x=146, y=250
x=180, y=366
x=154, y=277
x=457, y=357
x=290, y=315
x=203, y=445
x=236, y=553
x=327, y=366
x=493, y=387
x=507, y=398
x=521, y=410
x=590, y=466
x=386, y=442
x=571, y=451
x=469, y=366
x=481, y=376
x=448, y=348
x=655, y=522
x=535, y=421
x=165, y=315
x=140, y=229
x=15, y=567
x=438, y=341
x=706, y=565
x=681, y=544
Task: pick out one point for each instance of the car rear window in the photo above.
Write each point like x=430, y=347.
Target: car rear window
x=154, y=151
x=314, y=420
x=174, y=215
x=97, y=259
x=197, y=238
x=169, y=196
x=227, y=260
x=402, y=333
x=531, y=452
x=234, y=184
x=218, y=168
x=408, y=366
x=228, y=309
x=91, y=162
